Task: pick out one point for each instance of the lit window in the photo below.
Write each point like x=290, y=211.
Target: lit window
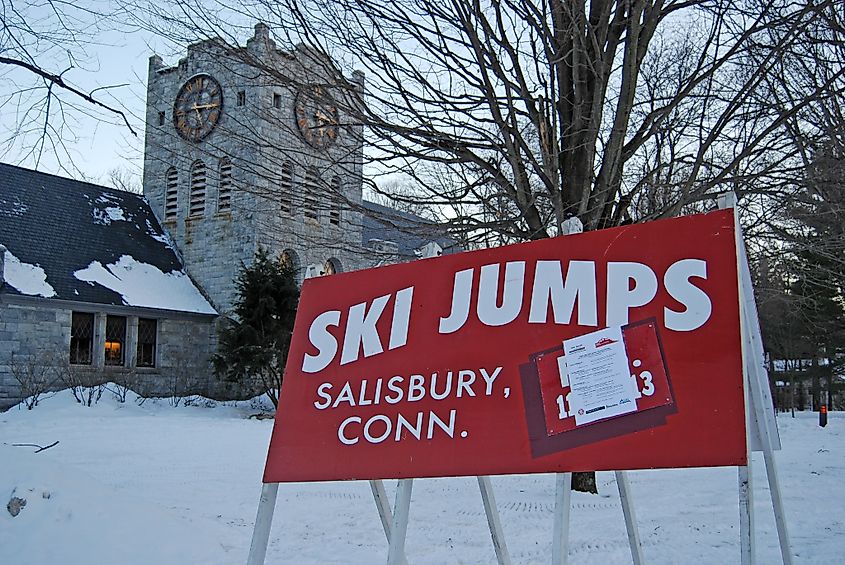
x=115, y=340
x=224, y=196
x=146, y=343
x=171, y=195
x=81, y=338
x=198, y=178
x=331, y=267
x=285, y=187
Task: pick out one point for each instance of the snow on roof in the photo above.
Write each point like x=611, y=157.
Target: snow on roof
x=26, y=278
x=109, y=210
x=142, y=284
x=63, y=226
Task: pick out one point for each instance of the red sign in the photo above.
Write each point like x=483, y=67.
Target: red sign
x=610, y=350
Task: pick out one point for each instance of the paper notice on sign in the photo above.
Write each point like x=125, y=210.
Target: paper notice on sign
x=597, y=369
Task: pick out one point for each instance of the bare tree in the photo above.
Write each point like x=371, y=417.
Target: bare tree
x=611, y=111
x=124, y=179
x=35, y=376
x=44, y=49
x=517, y=114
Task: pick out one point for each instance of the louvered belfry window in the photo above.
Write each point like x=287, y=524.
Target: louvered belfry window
x=336, y=198
x=286, y=187
x=311, y=194
x=224, y=196
x=171, y=194
x=198, y=184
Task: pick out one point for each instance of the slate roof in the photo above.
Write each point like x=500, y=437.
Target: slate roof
x=408, y=231
x=64, y=225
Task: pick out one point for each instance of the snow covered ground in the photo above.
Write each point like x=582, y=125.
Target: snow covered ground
x=154, y=484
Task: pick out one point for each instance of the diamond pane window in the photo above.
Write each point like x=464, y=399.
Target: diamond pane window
x=81, y=338
x=146, y=342
x=115, y=340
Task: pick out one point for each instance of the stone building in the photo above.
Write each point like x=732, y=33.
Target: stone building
x=245, y=148
x=92, y=290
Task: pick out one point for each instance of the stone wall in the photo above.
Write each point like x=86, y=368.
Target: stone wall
x=29, y=336
x=37, y=337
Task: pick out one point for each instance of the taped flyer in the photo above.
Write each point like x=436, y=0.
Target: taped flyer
x=613, y=402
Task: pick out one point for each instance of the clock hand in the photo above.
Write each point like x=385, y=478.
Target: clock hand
x=204, y=106
x=322, y=117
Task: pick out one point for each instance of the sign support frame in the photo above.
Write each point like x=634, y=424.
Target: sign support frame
x=761, y=435
x=384, y=511
x=263, y=522
x=563, y=508
x=563, y=486
x=399, y=531
x=761, y=428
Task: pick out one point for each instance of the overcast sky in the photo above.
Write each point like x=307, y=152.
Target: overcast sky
x=106, y=57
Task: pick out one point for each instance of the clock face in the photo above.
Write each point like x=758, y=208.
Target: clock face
x=197, y=108
x=316, y=116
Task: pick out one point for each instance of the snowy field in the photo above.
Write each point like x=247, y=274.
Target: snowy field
x=159, y=485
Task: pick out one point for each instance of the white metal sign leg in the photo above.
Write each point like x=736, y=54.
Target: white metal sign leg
x=777, y=505
x=563, y=500
x=746, y=516
x=263, y=521
x=401, y=508
x=630, y=517
x=493, y=521
x=384, y=512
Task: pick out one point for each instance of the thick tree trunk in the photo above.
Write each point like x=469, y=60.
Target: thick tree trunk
x=585, y=482
x=829, y=379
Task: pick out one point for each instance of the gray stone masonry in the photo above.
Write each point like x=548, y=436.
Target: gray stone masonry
x=38, y=337
x=257, y=131
x=2, y=265
x=29, y=335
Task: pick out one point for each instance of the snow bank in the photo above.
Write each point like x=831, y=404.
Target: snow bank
x=72, y=518
x=142, y=284
x=153, y=484
x=25, y=278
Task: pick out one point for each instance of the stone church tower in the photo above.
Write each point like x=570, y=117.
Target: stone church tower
x=246, y=147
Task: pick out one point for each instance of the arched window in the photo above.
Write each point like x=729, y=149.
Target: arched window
x=198, y=182
x=171, y=194
x=332, y=267
x=336, y=200
x=310, y=195
x=291, y=259
x=286, y=188
x=224, y=194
